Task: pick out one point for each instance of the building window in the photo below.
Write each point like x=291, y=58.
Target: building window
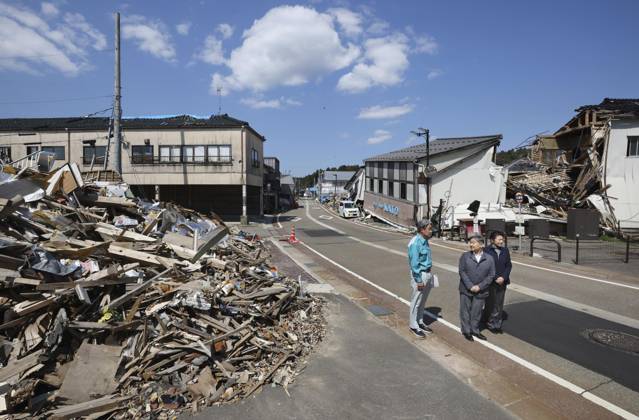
x=170, y=154
x=391, y=170
x=371, y=184
x=219, y=153
x=380, y=186
x=33, y=149
x=369, y=171
x=58, y=151
x=5, y=153
x=402, y=191
x=255, y=158
x=142, y=154
x=633, y=145
x=391, y=188
x=403, y=171
x=89, y=152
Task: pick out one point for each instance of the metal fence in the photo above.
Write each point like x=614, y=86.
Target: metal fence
x=599, y=251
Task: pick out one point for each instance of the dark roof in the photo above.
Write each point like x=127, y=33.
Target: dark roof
x=436, y=147
x=614, y=105
x=100, y=123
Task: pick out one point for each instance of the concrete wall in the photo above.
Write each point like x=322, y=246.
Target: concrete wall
x=158, y=174
x=622, y=173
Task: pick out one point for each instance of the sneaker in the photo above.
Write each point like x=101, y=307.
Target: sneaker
x=425, y=328
x=418, y=333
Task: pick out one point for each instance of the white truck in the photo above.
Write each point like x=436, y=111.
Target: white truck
x=348, y=209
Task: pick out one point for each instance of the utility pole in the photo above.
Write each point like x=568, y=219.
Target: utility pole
x=117, y=107
x=425, y=132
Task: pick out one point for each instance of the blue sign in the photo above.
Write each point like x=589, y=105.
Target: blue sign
x=387, y=208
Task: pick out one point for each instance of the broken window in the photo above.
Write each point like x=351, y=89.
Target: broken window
x=88, y=152
x=33, y=149
x=633, y=146
x=58, y=151
x=402, y=191
x=142, y=154
x=5, y=153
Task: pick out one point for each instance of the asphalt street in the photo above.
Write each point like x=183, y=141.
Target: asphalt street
x=551, y=312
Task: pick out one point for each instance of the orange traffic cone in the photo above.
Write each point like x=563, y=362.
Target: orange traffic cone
x=292, y=239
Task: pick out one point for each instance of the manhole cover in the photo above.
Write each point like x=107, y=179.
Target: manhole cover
x=615, y=339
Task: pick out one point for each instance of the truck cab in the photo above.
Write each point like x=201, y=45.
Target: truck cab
x=348, y=209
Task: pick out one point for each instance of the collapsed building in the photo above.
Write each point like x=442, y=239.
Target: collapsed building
x=591, y=161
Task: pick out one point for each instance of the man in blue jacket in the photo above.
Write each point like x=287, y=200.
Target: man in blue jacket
x=493, y=311
x=420, y=262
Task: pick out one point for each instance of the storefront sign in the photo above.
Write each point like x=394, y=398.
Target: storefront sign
x=387, y=208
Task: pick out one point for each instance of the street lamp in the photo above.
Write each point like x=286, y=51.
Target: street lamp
x=425, y=132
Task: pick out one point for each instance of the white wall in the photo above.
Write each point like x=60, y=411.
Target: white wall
x=476, y=178
x=622, y=174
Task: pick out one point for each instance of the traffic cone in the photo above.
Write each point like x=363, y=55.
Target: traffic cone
x=292, y=239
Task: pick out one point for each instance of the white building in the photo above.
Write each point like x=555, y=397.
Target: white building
x=461, y=170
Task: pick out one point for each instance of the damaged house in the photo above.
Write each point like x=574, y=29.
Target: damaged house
x=461, y=170
x=593, y=161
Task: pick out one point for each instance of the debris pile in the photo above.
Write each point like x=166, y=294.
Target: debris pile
x=112, y=305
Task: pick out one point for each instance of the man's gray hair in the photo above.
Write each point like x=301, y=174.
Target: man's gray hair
x=476, y=237
x=423, y=224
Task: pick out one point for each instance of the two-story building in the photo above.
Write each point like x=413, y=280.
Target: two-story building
x=461, y=170
x=201, y=163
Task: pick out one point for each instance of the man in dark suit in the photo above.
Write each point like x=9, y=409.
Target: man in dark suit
x=493, y=312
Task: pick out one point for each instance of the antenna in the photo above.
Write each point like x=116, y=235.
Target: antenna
x=219, y=100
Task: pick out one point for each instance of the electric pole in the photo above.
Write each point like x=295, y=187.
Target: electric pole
x=425, y=132
x=117, y=107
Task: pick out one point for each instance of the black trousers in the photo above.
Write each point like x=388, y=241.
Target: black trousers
x=493, y=311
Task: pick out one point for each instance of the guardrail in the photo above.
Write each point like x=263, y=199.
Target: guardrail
x=556, y=242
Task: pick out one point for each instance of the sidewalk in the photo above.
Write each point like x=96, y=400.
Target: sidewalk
x=363, y=370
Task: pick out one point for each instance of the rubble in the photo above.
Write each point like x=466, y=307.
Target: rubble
x=113, y=305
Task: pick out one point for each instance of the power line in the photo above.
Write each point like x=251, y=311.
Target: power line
x=15, y=57
x=56, y=100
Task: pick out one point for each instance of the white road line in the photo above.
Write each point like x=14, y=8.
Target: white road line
x=565, y=273
x=531, y=366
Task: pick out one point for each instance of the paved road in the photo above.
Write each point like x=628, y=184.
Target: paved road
x=550, y=313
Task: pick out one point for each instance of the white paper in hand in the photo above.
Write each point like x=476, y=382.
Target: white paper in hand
x=435, y=280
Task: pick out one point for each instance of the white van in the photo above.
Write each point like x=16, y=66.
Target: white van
x=348, y=209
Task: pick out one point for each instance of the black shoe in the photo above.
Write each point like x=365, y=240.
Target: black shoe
x=499, y=331
x=418, y=333
x=494, y=330
x=425, y=328
x=468, y=337
x=480, y=336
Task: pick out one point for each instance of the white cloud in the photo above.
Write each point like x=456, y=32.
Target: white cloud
x=151, y=36
x=433, y=74
x=183, y=28
x=258, y=103
x=225, y=30
x=212, y=52
x=349, y=21
x=379, y=112
x=29, y=43
x=379, y=136
x=426, y=44
x=378, y=28
x=49, y=9
x=385, y=61
x=288, y=46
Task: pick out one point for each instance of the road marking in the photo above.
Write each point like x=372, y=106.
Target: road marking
x=519, y=263
x=590, y=310
x=531, y=366
x=325, y=217
x=296, y=219
x=279, y=225
x=556, y=271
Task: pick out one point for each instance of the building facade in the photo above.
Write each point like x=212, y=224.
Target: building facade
x=201, y=163
x=461, y=170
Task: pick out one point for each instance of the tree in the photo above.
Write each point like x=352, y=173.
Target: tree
x=505, y=157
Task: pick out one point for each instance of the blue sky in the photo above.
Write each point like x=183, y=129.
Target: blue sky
x=327, y=82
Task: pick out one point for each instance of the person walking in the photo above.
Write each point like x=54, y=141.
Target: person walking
x=420, y=262
x=476, y=273
x=493, y=311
